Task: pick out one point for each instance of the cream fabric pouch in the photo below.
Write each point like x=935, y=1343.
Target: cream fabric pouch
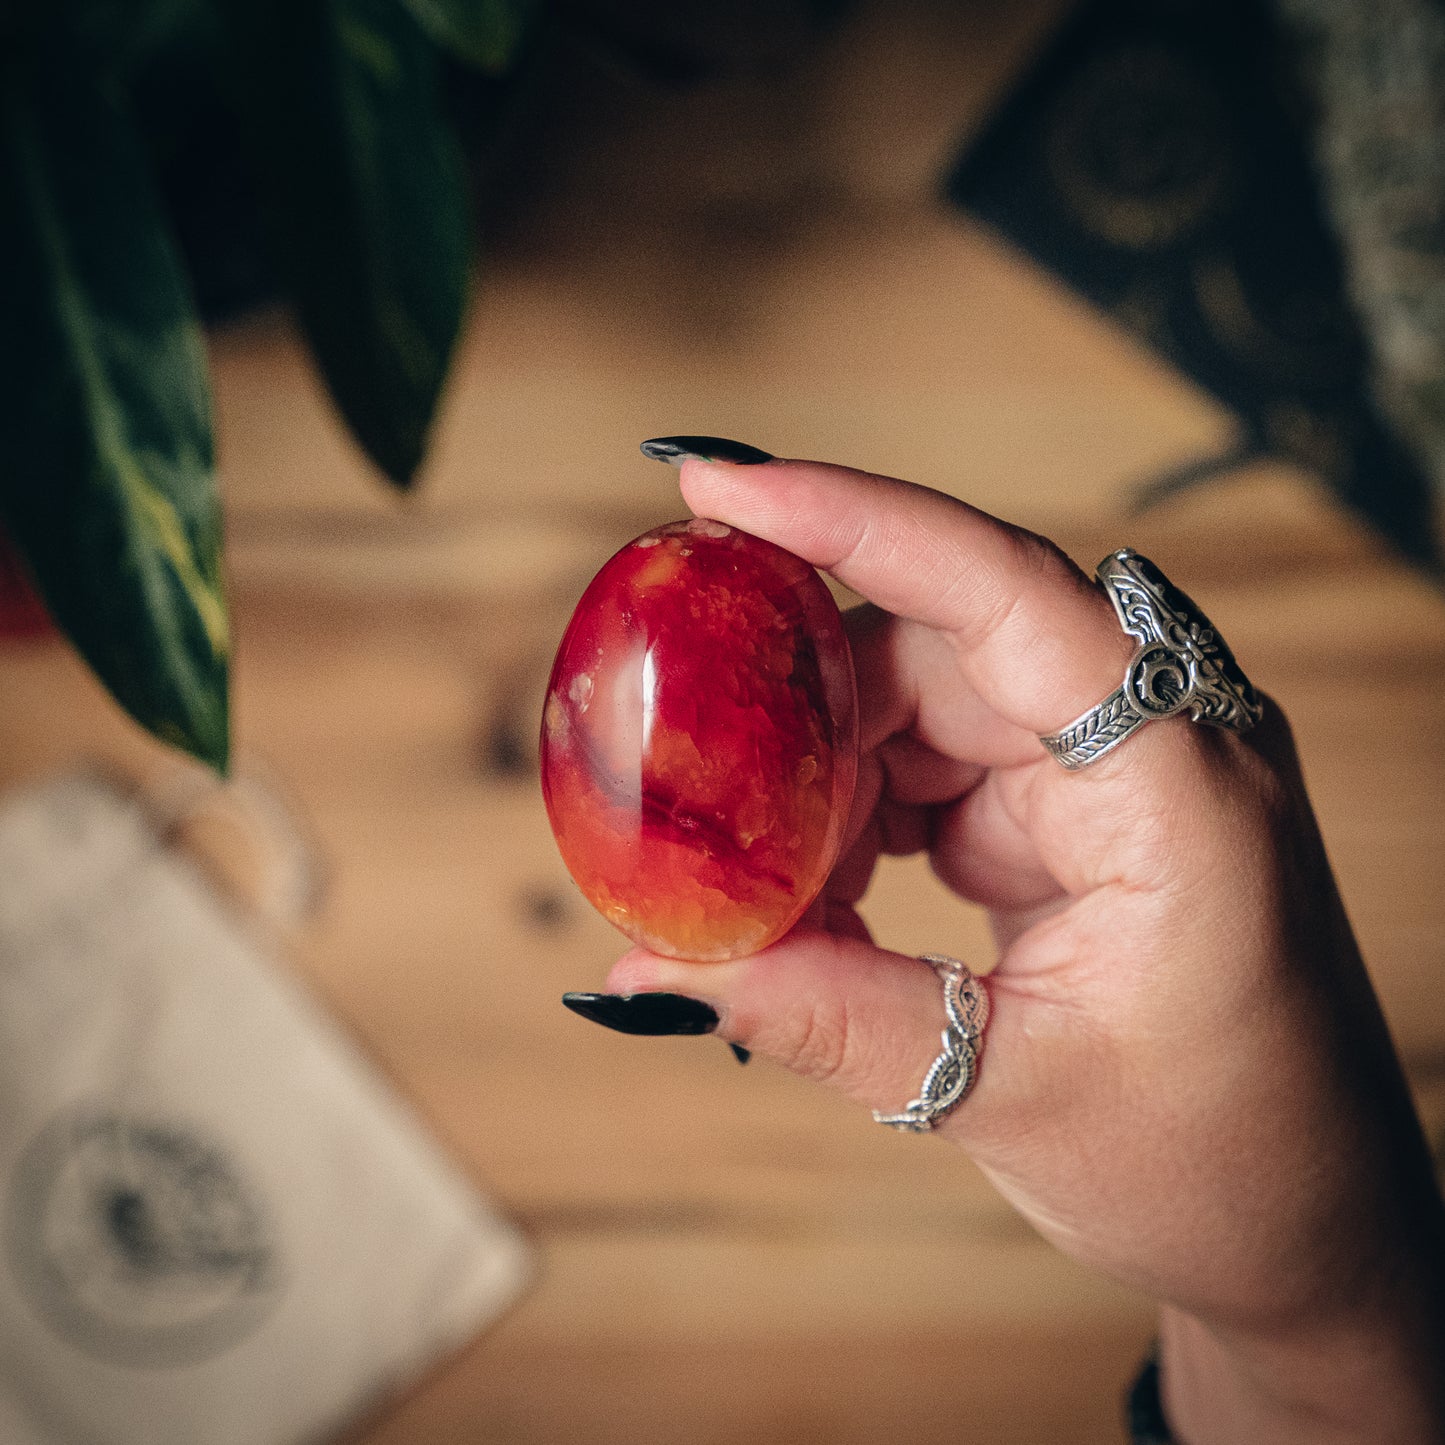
x=218, y=1223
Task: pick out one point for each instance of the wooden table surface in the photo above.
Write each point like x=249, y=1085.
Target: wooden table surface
x=729, y=1254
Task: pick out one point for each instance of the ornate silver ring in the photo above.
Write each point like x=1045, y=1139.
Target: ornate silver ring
x=953, y=1072
x=1181, y=662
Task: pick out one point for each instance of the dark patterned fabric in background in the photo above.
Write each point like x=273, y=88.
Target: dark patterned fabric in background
x=1377, y=71
x=1157, y=157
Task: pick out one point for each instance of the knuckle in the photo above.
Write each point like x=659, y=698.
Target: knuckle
x=860, y=1052
x=821, y=1046
x=1040, y=559
x=1029, y=564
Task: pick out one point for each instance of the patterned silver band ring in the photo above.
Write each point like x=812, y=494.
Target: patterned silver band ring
x=952, y=1073
x=1181, y=662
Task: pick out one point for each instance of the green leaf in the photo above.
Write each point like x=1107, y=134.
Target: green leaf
x=367, y=200
x=123, y=34
x=486, y=34
x=107, y=485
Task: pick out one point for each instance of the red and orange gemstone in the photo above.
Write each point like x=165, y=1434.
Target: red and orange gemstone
x=700, y=740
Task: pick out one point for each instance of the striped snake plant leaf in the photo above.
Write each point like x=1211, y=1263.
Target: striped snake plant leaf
x=107, y=484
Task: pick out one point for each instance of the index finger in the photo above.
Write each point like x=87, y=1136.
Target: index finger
x=1034, y=637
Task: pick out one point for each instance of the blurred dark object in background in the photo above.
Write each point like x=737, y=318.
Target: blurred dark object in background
x=1377, y=72
x=682, y=44
x=1157, y=158
x=184, y=104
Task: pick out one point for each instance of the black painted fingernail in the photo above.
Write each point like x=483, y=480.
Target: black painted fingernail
x=676, y=450
x=741, y=1054
x=644, y=1013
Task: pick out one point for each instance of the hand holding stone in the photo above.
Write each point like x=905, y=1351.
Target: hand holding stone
x=1187, y=1082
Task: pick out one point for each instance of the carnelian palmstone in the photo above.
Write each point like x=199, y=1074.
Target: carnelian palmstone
x=700, y=740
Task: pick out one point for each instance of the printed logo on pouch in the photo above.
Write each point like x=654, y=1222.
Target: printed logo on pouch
x=138, y=1240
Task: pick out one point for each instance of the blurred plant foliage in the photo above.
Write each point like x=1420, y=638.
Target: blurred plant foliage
x=164, y=158
x=341, y=108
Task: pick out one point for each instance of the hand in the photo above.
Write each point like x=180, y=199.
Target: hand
x=1185, y=1081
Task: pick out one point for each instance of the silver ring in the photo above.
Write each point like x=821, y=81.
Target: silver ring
x=1181, y=662
x=952, y=1073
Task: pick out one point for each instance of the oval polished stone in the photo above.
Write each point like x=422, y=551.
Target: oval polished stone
x=700, y=740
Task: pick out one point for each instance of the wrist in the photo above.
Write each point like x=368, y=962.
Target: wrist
x=1350, y=1382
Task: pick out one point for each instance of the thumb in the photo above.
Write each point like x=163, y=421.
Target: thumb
x=835, y=1009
